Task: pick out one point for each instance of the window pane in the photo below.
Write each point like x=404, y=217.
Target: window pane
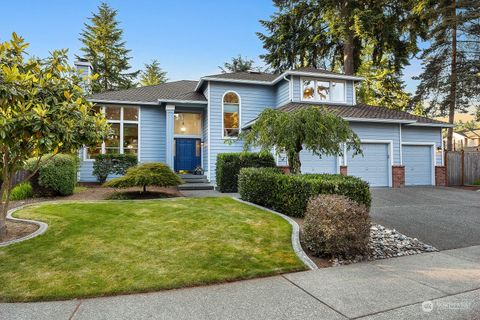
x=323, y=90
x=130, y=138
x=231, y=98
x=130, y=113
x=95, y=109
x=112, y=113
x=112, y=144
x=230, y=120
x=188, y=123
x=338, y=91
x=308, y=93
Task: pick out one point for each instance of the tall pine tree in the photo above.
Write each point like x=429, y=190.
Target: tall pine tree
x=450, y=81
x=105, y=50
x=238, y=64
x=153, y=74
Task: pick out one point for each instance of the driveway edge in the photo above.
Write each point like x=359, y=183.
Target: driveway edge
x=42, y=226
x=297, y=247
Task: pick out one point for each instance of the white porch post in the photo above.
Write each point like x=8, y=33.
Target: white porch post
x=170, y=111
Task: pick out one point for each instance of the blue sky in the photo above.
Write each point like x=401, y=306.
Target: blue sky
x=189, y=38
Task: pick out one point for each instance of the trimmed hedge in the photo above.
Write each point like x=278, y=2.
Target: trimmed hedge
x=229, y=165
x=289, y=194
x=114, y=163
x=56, y=176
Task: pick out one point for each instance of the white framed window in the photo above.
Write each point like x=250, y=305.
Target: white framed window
x=124, y=123
x=231, y=106
x=323, y=90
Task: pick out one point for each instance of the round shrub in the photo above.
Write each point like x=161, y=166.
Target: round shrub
x=149, y=174
x=336, y=226
x=55, y=176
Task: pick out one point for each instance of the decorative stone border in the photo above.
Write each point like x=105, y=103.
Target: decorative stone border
x=42, y=226
x=297, y=247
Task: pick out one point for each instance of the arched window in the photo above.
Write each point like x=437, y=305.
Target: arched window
x=231, y=114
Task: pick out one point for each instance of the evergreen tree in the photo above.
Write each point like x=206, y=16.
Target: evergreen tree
x=105, y=50
x=238, y=64
x=153, y=74
x=450, y=80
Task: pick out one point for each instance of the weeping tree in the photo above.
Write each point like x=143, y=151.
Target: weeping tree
x=43, y=111
x=312, y=128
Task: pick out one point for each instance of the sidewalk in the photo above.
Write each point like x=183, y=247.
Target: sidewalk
x=386, y=289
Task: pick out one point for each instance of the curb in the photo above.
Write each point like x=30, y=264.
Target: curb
x=297, y=247
x=42, y=226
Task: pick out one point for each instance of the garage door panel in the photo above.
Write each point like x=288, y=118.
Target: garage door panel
x=373, y=166
x=314, y=164
x=418, y=165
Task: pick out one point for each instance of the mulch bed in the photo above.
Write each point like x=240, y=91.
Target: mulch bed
x=16, y=230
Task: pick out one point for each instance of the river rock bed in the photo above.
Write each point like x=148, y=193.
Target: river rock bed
x=387, y=243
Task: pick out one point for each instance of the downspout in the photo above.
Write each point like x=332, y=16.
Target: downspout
x=289, y=87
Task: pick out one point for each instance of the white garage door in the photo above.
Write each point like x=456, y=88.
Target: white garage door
x=373, y=167
x=418, y=165
x=313, y=164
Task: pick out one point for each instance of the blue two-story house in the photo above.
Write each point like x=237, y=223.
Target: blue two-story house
x=186, y=124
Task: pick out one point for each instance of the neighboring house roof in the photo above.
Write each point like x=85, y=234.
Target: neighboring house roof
x=363, y=112
x=183, y=90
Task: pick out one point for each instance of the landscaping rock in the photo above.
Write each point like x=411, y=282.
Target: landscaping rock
x=386, y=243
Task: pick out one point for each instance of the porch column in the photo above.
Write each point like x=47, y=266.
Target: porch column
x=170, y=111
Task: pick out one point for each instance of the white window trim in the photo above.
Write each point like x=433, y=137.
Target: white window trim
x=433, y=151
x=121, y=122
x=302, y=79
x=239, y=115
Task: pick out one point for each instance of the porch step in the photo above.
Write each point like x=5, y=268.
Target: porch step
x=196, y=186
x=193, y=178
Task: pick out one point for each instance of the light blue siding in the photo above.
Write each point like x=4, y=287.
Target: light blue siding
x=418, y=165
x=297, y=89
x=380, y=131
x=282, y=92
x=314, y=164
x=424, y=135
x=205, y=133
x=254, y=99
x=374, y=166
x=153, y=137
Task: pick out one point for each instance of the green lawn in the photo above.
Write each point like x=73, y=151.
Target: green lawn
x=112, y=247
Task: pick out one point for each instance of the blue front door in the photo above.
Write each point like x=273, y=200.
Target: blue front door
x=187, y=154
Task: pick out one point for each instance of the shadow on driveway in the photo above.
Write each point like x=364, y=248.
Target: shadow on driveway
x=446, y=218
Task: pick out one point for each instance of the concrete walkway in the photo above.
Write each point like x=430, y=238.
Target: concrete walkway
x=437, y=285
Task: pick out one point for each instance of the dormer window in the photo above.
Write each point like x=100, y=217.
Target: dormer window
x=323, y=90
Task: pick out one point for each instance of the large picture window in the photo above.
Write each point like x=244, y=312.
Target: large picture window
x=323, y=90
x=123, y=121
x=231, y=115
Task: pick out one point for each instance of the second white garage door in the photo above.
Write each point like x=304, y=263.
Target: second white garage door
x=373, y=166
x=314, y=164
x=418, y=162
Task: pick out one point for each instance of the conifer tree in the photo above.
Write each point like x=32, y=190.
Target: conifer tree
x=153, y=74
x=238, y=64
x=450, y=81
x=105, y=49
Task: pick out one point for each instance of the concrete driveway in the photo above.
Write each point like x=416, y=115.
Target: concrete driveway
x=446, y=218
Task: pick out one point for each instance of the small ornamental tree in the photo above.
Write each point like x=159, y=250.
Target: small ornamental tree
x=149, y=174
x=43, y=110
x=312, y=128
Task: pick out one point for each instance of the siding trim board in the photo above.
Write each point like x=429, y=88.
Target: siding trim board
x=432, y=155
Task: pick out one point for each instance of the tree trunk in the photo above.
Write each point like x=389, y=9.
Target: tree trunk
x=453, y=77
x=294, y=161
x=4, y=201
x=144, y=189
x=348, y=42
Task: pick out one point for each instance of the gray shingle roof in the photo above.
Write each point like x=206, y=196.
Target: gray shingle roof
x=177, y=90
x=251, y=76
x=362, y=111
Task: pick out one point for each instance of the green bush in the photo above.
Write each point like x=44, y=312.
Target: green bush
x=336, y=226
x=289, y=194
x=56, y=176
x=149, y=174
x=21, y=191
x=476, y=182
x=114, y=163
x=229, y=165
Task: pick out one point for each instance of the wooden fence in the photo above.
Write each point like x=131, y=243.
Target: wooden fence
x=19, y=177
x=463, y=167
